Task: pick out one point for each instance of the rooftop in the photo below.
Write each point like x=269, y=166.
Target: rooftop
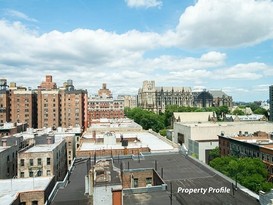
x=111, y=123
x=146, y=139
x=182, y=171
x=225, y=124
x=185, y=173
x=9, y=188
x=43, y=147
x=3, y=148
x=259, y=138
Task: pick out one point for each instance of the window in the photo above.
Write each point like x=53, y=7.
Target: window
x=22, y=162
x=135, y=182
x=30, y=173
x=22, y=203
x=22, y=174
x=48, y=161
x=30, y=162
x=39, y=173
x=149, y=180
x=34, y=203
x=39, y=161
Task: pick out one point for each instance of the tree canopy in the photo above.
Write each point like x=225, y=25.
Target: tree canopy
x=157, y=122
x=250, y=172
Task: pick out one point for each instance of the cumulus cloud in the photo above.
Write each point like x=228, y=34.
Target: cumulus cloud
x=225, y=23
x=249, y=71
x=208, y=60
x=91, y=57
x=143, y=3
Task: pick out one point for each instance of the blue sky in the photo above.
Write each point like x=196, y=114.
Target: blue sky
x=205, y=44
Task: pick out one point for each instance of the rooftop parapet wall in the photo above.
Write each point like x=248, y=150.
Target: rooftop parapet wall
x=111, y=152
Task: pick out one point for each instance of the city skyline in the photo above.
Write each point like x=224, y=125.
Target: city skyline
x=200, y=44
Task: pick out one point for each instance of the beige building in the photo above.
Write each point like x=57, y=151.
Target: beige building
x=129, y=100
x=196, y=137
x=193, y=117
x=43, y=160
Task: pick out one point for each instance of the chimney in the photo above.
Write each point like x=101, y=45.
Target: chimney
x=4, y=142
x=49, y=140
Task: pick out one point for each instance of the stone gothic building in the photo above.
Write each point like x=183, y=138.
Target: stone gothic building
x=157, y=98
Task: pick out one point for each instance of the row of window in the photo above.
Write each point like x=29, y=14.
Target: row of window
x=31, y=162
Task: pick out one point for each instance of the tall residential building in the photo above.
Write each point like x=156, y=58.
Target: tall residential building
x=65, y=107
x=48, y=108
x=23, y=107
x=157, y=98
x=104, y=105
x=4, y=102
x=271, y=103
x=73, y=107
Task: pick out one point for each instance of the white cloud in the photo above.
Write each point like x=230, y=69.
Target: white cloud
x=249, y=71
x=143, y=3
x=225, y=23
x=91, y=57
x=19, y=15
x=208, y=60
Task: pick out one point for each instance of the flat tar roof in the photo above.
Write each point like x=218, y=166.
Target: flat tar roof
x=182, y=171
x=187, y=174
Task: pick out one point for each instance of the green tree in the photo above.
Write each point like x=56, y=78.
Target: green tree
x=261, y=111
x=238, y=111
x=214, y=153
x=249, y=172
x=253, y=106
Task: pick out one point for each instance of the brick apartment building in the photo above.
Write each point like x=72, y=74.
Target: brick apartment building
x=47, y=106
x=23, y=106
x=4, y=102
x=64, y=107
x=104, y=105
x=258, y=144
